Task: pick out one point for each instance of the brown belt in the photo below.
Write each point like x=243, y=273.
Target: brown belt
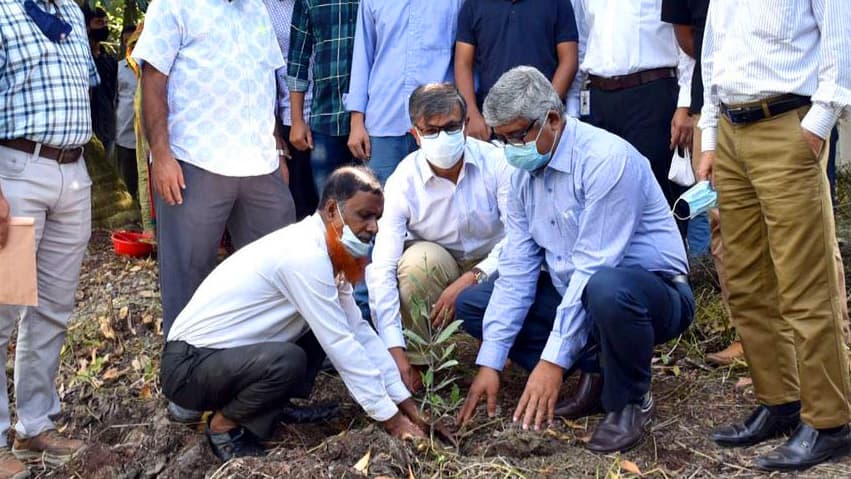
x=59, y=155
x=631, y=80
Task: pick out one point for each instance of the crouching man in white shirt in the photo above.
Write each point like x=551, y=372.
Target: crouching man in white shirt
x=239, y=346
x=442, y=227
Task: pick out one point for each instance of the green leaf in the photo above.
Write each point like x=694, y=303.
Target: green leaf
x=448, y=364
x=455, y=395
x=448, y=352
x=448, y=331
x=428, y=378
x=443, y=384
x=415, y=338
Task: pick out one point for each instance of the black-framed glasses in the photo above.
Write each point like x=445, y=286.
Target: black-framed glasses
x=431, y=132
x=518, y=139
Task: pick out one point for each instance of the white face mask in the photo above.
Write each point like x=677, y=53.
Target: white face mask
x=445, y=150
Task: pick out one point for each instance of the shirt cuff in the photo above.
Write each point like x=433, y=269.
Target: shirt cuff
x=392, y=337
x=707, y=138
x=296, y=84
x=398, y=392
x=820, y=120
x=488, y=266
x=492, y=355
x=354, y=102
x=684, y=98
x=561, y=351
x=382, y=410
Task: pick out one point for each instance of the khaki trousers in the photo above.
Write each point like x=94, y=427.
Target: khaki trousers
x=424, y=271
x=780, y=257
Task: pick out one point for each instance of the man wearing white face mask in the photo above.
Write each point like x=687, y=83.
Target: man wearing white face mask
x=442, y=226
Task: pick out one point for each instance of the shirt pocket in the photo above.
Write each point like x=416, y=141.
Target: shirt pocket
x=483, y=216
x=568, y=225
x=436, y=31
x=772, y=20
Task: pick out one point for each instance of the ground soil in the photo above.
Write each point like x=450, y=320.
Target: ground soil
x=110, y=391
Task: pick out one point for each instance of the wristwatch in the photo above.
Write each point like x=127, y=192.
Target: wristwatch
x=480, y=275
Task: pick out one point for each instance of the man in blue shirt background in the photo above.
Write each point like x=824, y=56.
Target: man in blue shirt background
x=399, y=46
x=585, y=204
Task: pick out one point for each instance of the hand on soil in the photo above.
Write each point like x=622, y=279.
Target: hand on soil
x=539, y=398
x=401, y=427
x=485, y=384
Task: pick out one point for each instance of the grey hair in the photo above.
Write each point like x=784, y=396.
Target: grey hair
x=346, y=181
x=434, y=99
x=522, y=92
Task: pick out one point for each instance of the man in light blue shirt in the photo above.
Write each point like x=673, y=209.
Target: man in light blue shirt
x=399, y=46
x=586, y=206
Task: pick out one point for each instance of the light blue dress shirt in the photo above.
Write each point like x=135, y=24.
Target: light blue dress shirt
x=596, y=204
x=399, y=45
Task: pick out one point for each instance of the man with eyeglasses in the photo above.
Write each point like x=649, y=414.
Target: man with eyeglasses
x=442, y=226
x=584, y=203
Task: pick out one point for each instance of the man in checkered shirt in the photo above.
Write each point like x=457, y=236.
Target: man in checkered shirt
x=45, y=119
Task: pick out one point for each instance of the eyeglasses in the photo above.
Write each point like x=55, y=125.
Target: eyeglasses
x=518, y=139
x=431, y=132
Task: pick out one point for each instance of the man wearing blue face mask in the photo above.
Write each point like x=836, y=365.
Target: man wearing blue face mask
x=584, y=204
x=259, y=327
x=443, y=227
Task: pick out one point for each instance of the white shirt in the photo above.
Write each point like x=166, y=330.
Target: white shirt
x=220, y=58
x=465, y=218
x=125, y=135
x=620, y=37
x=756, y=49
x=277, y=288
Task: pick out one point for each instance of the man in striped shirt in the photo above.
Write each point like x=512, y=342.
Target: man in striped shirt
x=777, y=75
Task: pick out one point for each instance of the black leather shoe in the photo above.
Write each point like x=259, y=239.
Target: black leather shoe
x=806, y=448
x=760, y=426
x=292, y=414
x=237, y=442
x=585, y=400
x=622, y=430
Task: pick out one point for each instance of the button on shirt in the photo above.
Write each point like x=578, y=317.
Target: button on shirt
x=274, y=290
x=220, y=58
x=399, y=46
x=511, y=33
x=464, y=218
x=596, y=204
x=44, y=86
x=754, y=50
x=281, y=13
x=619, y=37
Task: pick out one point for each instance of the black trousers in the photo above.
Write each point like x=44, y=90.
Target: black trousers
x=126, y=162
x=248, y=384
x=302, y=186
x=642, y=116
x=630, y=309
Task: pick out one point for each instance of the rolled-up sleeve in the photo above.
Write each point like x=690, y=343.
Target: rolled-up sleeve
x=514, y=290
x=301, y=48
x=614, y=200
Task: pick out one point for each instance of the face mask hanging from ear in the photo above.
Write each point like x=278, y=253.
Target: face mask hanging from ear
x=53, y=27
x=353, y=244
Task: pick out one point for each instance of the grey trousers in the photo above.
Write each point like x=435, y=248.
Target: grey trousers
x=188, y=234
x=59, y=198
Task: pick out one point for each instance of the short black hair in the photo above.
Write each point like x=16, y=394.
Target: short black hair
x=89, y=14
x=434, y=99
x=346, y=181
x=128, y=29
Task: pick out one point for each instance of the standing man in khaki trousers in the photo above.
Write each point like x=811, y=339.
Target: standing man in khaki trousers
x=777, y=76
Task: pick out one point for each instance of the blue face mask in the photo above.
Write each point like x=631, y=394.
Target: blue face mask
x=351, y=242
x=700, y=198
x=526, y=157
x=53, y=27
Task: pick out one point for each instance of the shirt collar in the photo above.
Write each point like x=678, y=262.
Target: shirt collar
x=469, y=159
x=563, y=157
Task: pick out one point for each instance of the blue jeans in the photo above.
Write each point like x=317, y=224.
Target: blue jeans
x=329, y=153
x=698, y=235
x=389, y=151
x=630, y=310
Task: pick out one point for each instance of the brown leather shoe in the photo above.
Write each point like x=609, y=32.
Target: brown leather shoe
x=585, y=400
x=48, y=446
x=11, y=467
x=732, y=353
x=622, y=430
